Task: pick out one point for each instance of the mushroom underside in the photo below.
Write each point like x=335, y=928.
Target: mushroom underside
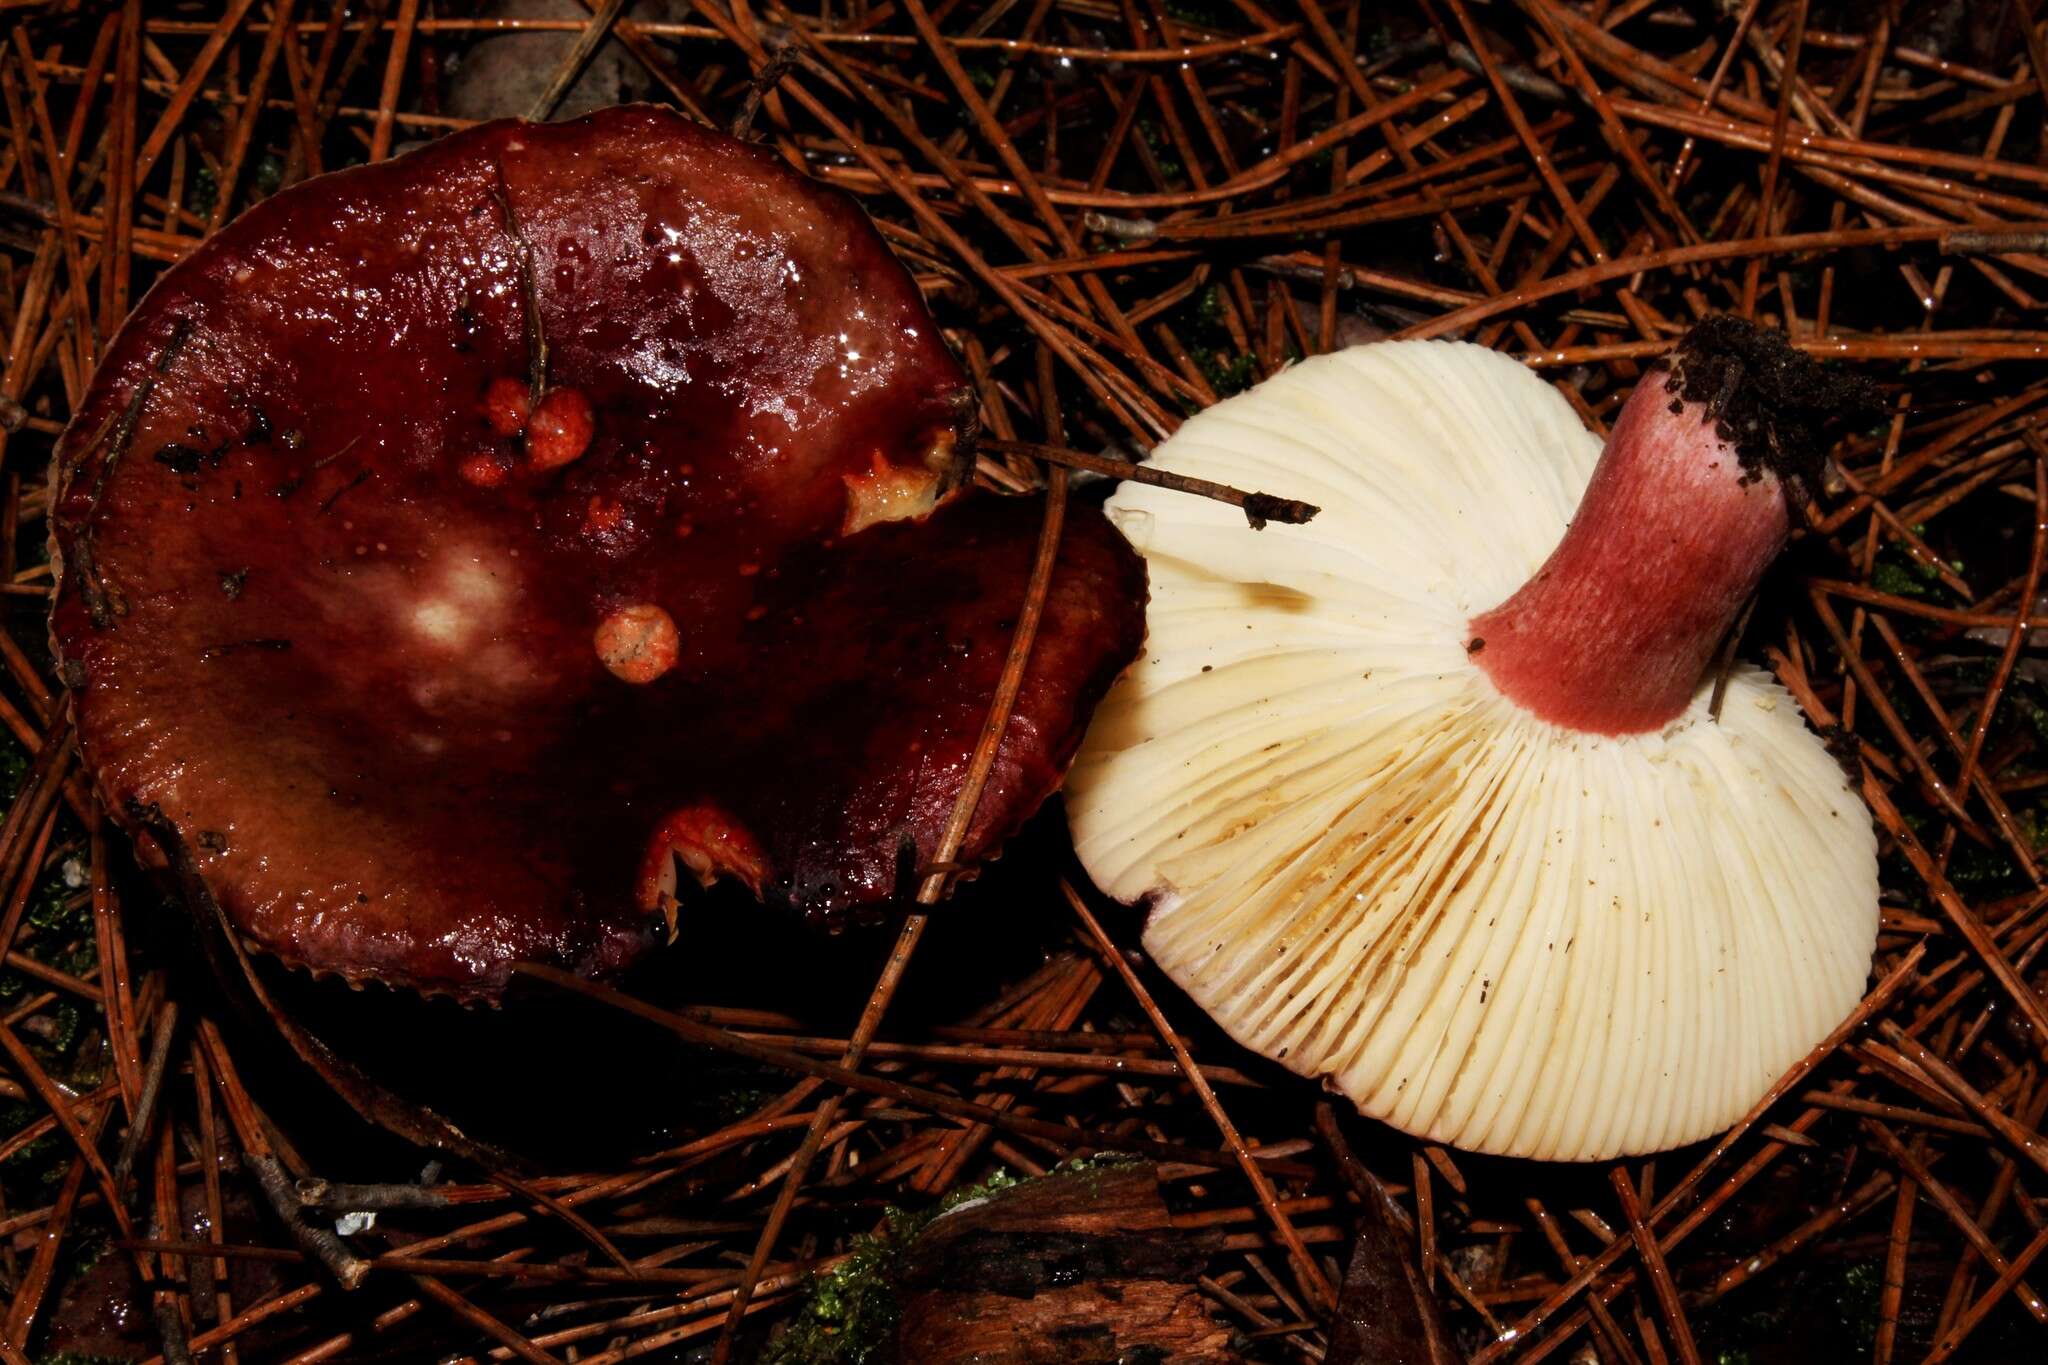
x=1368, y=864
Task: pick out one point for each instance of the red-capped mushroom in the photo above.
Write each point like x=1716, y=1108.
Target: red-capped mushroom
x=443, y=421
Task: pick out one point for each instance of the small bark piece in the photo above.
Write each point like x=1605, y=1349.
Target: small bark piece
x=1386, y=1313
x=1077, y=1267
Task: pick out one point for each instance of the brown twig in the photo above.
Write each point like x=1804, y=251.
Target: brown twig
x=1259, y=508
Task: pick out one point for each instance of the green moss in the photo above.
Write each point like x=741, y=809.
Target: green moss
x=1090, y=1166
x=1901, y=575
x=52, y=909
x=1982, y=870
x=267, y=174
x=16, y=1115
x=1164, y=154
x=66, y=1020
x=14, y=761
x=2033, y=713
x=849, y=1314
x=722, y=1089
x=38, y=1168
x=1228, y=378
x=1835, y=1305
x=1211, y=347
x=1858, y=1298
x=740, y=1101
x=201, y=193
x=982, y=74
x=60, y=910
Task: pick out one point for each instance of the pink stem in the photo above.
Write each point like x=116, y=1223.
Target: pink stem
x=1615, y=632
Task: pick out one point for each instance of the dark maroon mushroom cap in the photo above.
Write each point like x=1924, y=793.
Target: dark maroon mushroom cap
x=334, y=635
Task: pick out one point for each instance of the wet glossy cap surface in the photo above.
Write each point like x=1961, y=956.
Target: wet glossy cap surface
x=335, y=604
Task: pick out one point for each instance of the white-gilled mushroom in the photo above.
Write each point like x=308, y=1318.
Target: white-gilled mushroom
x=1426, y=797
